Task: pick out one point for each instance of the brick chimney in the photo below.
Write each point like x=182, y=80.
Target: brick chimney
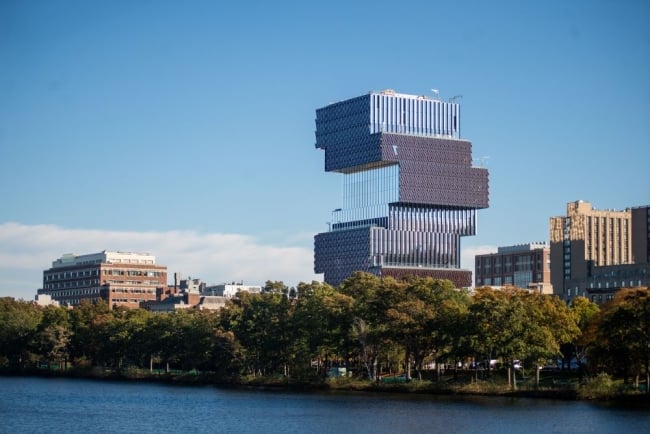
x=191, y=298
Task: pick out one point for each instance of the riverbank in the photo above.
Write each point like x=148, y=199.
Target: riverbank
x=599, y=388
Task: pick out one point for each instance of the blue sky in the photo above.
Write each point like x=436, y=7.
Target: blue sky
x=186, y=129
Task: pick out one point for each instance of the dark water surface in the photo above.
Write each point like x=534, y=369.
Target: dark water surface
x=40, y=405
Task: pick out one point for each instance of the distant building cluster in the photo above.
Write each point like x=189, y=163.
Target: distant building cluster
x=592, y=253
x=131, y=280
x=410, y=193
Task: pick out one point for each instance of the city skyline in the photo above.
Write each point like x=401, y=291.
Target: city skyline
x=180, y=130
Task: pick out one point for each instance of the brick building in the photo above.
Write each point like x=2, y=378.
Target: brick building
x=526, y=266
x=119, y=278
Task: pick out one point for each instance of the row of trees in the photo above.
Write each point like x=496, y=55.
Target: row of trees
x=367, y=324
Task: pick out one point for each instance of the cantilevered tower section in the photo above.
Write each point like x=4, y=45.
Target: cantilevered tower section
x=410, y=191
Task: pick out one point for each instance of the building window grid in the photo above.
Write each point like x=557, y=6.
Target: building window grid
x=416, y=116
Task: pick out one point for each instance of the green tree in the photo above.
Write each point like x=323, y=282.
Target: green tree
x=116, y=337
x=584, y=313
x=227, y=355
x=550, y=323
x=370, y=326
x=85, y=342
x=261, y=323
x=499, y=322
x=623, y=335
x=422, y=320
x=411, y=321
x=52, y=339
x=196, y=331
x=19, y=321
x=452, y=339
x=138, y=340
x=163, y=340
x=322, y=321
x=273, y=313
x=275, y=287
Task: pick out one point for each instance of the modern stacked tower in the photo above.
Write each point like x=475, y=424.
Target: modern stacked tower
x=410, y=191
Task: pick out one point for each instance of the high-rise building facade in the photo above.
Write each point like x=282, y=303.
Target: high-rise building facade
x=410, y=191
x=119, y=278
x=525, y=266
x=593, y=252
x=641, y=234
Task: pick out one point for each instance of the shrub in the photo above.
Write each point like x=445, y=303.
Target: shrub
x=599, y=387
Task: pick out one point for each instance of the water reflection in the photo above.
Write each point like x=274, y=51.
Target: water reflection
x=33, y=405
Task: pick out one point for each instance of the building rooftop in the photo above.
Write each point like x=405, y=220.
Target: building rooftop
x=104, y=257
x=520, y=248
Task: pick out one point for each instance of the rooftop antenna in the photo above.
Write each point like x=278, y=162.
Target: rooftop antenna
x=436, y=92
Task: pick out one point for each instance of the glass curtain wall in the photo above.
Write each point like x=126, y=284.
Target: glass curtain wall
x=420, y=236
x=366, y=195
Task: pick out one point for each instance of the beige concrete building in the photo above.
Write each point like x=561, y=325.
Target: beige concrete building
x=230, y=290
x=641, y=234
x=585, y=240
x=45, y=300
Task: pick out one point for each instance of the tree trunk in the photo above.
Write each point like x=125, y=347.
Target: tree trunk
x=374, y=369
x=408, y=367
x=489, y=363
x=512, y=377
x=418, y=367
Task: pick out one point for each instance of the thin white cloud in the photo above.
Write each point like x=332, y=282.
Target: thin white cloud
x=27, y=250
x=468, y=253
x=467, y=256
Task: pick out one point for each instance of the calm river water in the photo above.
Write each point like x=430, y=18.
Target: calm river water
x=37, y=405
